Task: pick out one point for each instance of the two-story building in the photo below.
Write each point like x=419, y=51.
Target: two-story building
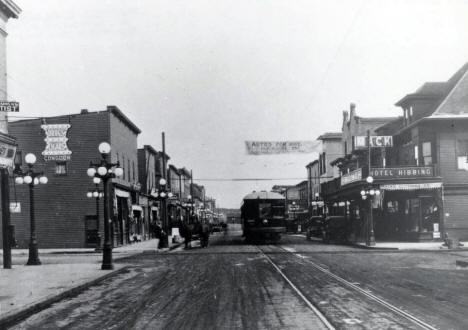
x=64, y=147
x=417, y=164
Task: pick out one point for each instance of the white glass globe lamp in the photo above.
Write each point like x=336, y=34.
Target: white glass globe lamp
x=30, y=159
x=104, y=148
x=118, y=172
x=91, y=171
x=102, y=170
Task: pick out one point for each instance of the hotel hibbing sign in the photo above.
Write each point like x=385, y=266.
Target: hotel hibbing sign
x=56, y=142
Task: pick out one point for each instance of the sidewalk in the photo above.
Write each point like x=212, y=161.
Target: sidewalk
x=410, y=246
x=25, y=290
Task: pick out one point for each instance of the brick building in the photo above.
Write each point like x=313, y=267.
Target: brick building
x=65, y=217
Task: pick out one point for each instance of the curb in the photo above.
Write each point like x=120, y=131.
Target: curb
x=461, y=263
x=365, y=247
x=16, y=316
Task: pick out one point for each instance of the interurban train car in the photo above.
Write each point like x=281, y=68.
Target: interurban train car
x=263, y=216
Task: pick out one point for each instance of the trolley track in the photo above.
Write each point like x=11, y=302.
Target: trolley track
x=270, y=251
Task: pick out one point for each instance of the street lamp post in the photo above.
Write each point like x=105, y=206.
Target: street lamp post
x=31, y=178
x=105, y=170
x=97, y=194
x=162, y=194
x=369, y=193
x=317, y=201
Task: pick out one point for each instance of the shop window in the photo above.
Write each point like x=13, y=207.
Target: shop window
x=430, y=214
x=412, y=211
x=392, y=206
x=61, y=168
x=427, y=153
x=128, y=170
x=123, y=167
x=416, y=154
x=462, y=155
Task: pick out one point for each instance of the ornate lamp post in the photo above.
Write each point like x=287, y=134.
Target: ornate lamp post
x=105, y=170
x=369, y=193
x=316, y=202
x=190, y=202
x=31, y=178
x=162, y=194
x=98, y=194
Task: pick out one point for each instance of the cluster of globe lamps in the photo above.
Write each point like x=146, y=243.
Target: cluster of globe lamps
x=29, y=177
x=370, y=191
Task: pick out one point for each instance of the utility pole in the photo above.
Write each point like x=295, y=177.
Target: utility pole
x=371, y=238
x=191, y=193
x=165, y=242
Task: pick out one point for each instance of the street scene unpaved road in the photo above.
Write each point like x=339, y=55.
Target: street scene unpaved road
x=232, y=285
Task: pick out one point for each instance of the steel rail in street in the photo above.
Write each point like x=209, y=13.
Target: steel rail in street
x=319, y=314
x=381, y=301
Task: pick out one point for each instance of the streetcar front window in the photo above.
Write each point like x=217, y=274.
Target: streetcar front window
x=264, y=210
x=278, y=211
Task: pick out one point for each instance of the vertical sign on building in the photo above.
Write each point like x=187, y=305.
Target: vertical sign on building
x=56, y=142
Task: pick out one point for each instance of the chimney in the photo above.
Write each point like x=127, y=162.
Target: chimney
x=345, y=117
x=352, y=111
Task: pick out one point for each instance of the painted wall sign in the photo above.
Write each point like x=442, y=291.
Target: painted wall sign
x=375, y=141
x=281, y=147
x=56, y=142
x=7, y=106
x=7, y=154
x=402, y=172
x=350, y=177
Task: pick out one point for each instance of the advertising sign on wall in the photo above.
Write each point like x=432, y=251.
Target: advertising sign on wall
x=56, y=142
x=402, y=172
x=8, y=106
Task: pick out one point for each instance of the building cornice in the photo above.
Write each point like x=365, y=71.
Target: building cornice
x=9, y=8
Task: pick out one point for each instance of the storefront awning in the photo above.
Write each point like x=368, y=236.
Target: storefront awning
x=411, y=186
x=122, y=193
x=137, y=208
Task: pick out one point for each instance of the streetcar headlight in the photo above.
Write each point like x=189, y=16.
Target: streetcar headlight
x=265, y=221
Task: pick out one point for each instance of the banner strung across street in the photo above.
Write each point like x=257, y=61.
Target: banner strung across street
x=281, y=147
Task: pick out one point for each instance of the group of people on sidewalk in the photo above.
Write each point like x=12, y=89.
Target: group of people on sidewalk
x=190, y=229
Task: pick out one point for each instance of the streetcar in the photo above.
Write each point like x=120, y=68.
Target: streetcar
x=263, y=216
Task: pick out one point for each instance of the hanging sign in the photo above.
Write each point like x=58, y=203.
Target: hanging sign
x=280, y=147
x=7, y=106
x=375, y=141
x=15, y=207
x=352, y=176
x=7, y=154
x=56, y=142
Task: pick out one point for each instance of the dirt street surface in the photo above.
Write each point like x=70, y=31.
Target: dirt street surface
x=291, y=285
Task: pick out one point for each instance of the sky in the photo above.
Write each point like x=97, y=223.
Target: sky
x=213, y=74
